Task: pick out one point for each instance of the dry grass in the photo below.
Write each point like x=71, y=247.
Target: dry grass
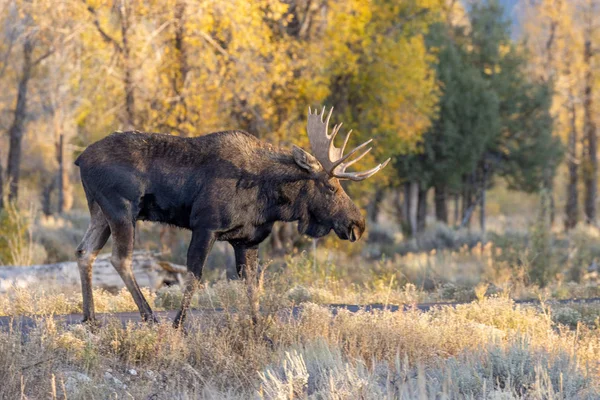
x=61, y=301
x=490, y=348
x=486, y=349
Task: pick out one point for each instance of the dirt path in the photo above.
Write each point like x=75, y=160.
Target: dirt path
x=26, y=323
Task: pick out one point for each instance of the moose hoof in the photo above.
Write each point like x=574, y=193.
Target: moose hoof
x=91, y=323
x=178, y=321
x=150, y=318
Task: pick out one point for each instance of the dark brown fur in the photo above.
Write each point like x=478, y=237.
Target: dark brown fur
x=225, y=186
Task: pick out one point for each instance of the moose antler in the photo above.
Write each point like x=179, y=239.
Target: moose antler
x=332, y=158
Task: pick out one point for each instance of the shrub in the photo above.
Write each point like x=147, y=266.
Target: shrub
x=583, y=250
x=17, y=246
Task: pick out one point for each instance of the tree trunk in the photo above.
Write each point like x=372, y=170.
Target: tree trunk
x=282, y=238
x=589, y=127
x=467, y=203
x=465, y=199
x=398, y=204
x=1, y=183
x=128, y=69
x=406, y=204
x=374, y=205
x=456, y=209
x=47, y=189
x=276, y=244
x=63, y=186
x=17, y=128
x=572, y=206
x=549, y=186
x=483, y=199
x=422, y=210
x=182, y=72
x=413, y=200
x=550, y=71
x=287, y=235
x=60, y=176
x=441, y=205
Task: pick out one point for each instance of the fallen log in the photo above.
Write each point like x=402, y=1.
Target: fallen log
x=148, y=270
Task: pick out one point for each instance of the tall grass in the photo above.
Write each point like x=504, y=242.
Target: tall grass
x=491, y=348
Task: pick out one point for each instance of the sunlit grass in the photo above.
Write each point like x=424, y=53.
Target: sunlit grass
x=488, y=348
x=481, y=349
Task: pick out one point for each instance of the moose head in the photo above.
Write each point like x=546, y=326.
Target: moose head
x=329, y=207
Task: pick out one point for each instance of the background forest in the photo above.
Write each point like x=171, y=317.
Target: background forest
x=470, y=99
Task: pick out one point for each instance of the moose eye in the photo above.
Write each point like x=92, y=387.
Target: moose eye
x=331, y=188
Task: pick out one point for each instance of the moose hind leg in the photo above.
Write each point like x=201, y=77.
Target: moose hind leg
x=121, y=259
x=93, y=241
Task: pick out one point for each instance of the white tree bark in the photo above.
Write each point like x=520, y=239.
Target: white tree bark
x=149, y=272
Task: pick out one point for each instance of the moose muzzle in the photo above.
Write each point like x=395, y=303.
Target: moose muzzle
x=355, y=233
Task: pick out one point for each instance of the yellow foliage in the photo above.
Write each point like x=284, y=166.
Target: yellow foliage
x=197, y=67
x=209, y=65
x=556, y=44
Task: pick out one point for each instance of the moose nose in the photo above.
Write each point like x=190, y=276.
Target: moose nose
x=354, y=233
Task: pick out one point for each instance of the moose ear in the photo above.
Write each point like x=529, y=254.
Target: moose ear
x=305, y=160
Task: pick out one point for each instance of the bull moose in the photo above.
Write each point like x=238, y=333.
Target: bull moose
x=225, y=186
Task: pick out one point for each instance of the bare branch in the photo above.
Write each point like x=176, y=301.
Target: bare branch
x=217, y=46
x=43, y=56
x=11, y=42
x=105, y=36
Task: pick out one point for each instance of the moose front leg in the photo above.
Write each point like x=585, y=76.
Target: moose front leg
x=246, y=260
x=200, y=246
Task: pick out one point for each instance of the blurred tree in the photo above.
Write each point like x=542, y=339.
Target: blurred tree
x=590, y=159
x=34, y=21
x=468, y=118
x=16, y=130
x=560, y=35
x=525, y=136
x=121, y=44
x=9, y=37
x=492, y=119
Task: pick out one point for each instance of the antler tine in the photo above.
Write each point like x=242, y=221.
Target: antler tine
x=347, y=156
x=334, y=132
x=360, y=176
x=343, y=166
